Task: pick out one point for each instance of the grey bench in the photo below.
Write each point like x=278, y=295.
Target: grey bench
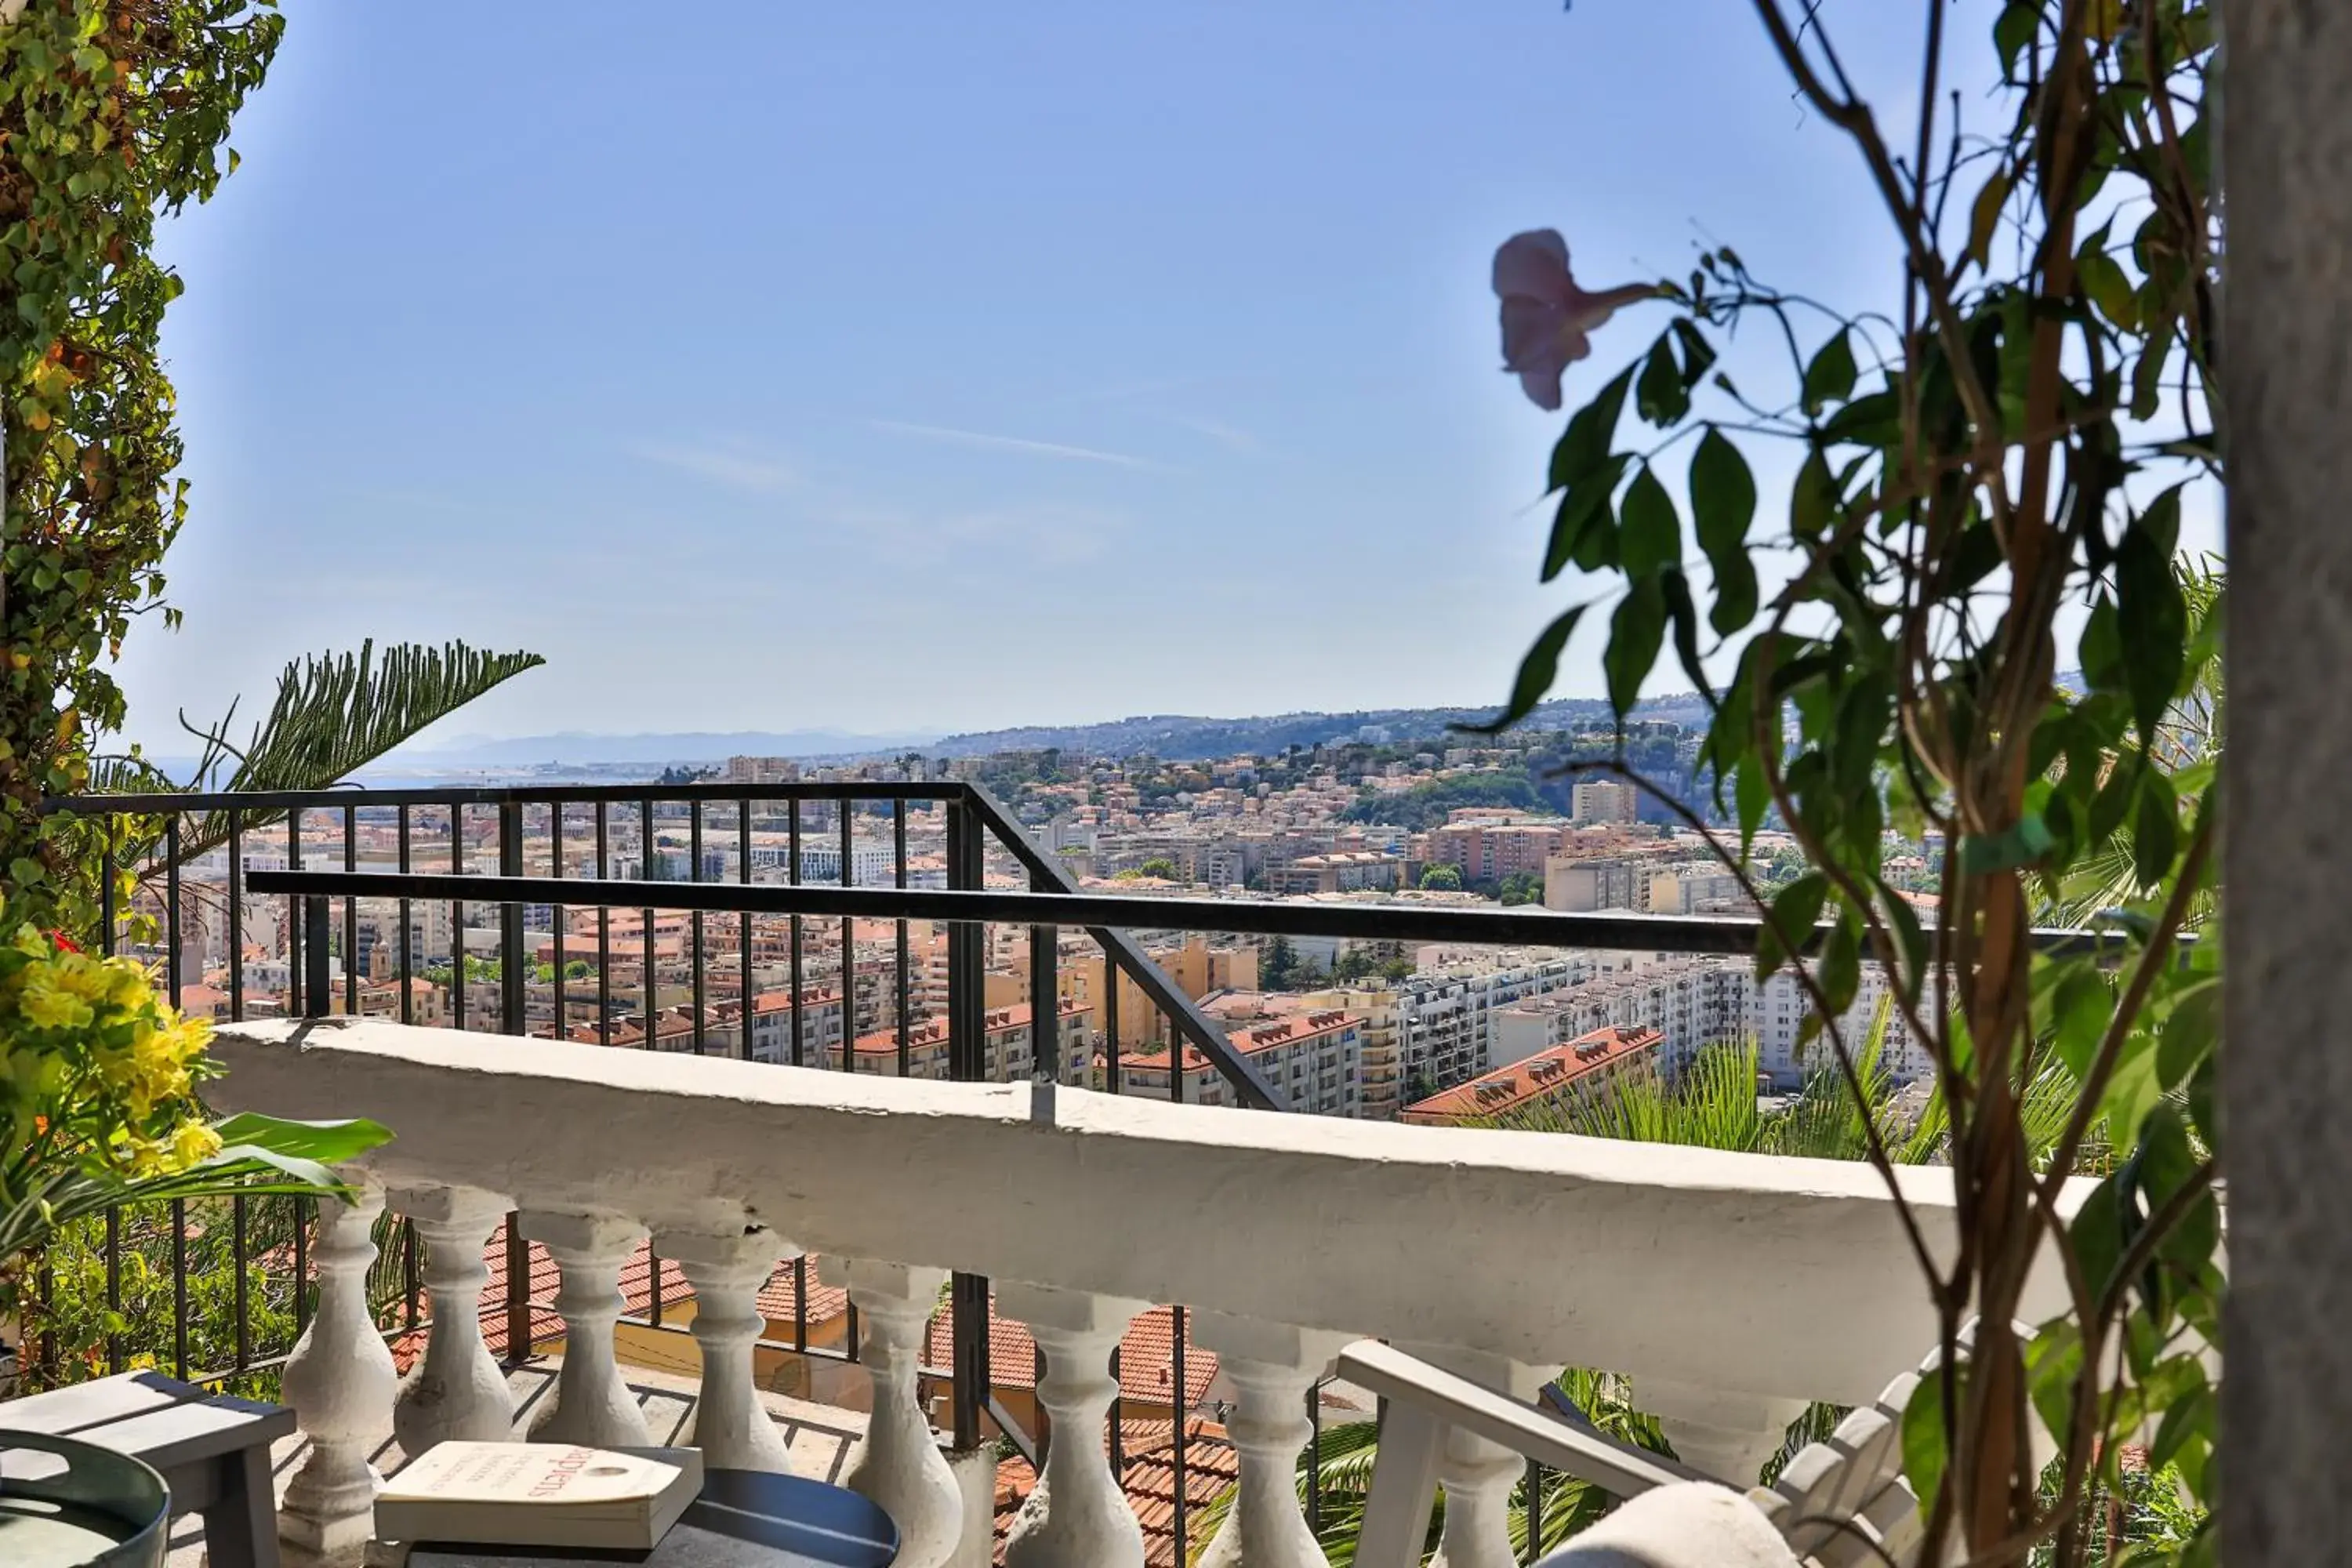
x=212, y=1450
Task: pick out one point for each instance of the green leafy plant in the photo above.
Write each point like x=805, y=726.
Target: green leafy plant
x=2016, y=439
x=112, y=111
x=334, y=713
x=98, y=1090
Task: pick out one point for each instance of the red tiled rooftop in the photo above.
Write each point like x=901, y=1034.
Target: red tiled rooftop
x=1146, y=1358
x=1543, y=1074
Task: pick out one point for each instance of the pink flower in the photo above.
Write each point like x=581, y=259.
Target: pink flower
x=1547, y=318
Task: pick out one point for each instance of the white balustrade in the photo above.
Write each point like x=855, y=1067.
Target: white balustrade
x=731, y=1427
x=900, y=1465
x=593, y=1404
x=1476, y=1473
x=457, y=1390
x=1726, y=1434
x=341, y=1381
x=1077, y=1516
x=1273, y=1368
x=1730, y=1288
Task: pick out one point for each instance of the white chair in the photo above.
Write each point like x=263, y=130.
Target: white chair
x=1838, y=1503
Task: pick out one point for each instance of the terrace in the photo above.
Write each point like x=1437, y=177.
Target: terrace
x=569, y=1215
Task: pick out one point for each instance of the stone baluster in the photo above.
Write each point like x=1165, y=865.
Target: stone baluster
x=900, y=1465
x=1476, y=1474
x=592, y=1405
x=341, y=1383
x=731, y=1427
x=456, y=1391
x=1727, y=1434
x=1271, y=1366
x=1078, y=1517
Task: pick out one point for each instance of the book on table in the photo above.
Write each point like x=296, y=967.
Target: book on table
x=539, y=1494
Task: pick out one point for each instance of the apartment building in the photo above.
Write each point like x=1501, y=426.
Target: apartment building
x=1445, y=1023
x=1377, y=1006
x=1604, y=800
x=1313, y=1060
x=1584, y=1069
x=1008, y=1051
x=1688, y=1003
x=1491, y=848
x=1339, y=871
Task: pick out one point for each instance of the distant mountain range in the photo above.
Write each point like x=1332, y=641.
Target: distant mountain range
x=660, y=749
x=1177, y=737
x=1181, y=737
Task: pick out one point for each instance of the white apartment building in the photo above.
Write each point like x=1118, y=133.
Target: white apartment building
x=1315, y=1060
x=1445, y=1024
x=1688, y=1001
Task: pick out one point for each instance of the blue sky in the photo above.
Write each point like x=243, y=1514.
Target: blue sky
x=940, y=366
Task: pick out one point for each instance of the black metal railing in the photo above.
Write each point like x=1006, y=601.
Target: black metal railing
x=987, y=871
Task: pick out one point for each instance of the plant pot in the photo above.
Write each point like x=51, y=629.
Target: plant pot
x=69, y=1504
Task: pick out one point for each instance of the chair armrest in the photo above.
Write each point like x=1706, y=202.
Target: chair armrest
x=1618, y=1469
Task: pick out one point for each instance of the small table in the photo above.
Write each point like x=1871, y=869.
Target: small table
x=742, y=1519
x=212, y=1450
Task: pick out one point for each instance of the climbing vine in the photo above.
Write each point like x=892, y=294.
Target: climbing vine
x=112, y=112
x=1967, y=483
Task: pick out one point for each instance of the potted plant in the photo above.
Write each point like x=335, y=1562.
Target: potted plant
x=1926, y=570
x=98, y=1080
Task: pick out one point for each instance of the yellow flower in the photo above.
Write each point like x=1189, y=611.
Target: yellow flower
x=47, y=1007
x=83, y=977
x=195, y=1144
x=128, y=986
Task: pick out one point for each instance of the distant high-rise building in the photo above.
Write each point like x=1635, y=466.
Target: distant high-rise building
x=1604, y=800
x=760, y=769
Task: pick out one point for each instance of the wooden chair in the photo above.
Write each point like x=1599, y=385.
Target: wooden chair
x=212, y=1450
x=1839, y=1503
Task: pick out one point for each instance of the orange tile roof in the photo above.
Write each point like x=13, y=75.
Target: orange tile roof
x=1147, y=1476
x=1543, y=1074
x=1146, y=1356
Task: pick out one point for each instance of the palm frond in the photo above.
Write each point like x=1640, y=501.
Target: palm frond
x=334, y=715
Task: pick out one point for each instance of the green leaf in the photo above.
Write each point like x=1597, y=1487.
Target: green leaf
x=1723, y=507
x=1796, y=909
x=2151, y=617
x=1924, y=1448
x=329, y=1142
x=1841, y=968
x=2021, y=21
x=2097, y=1234
x=1683, y=618
x=1698, y=354
x=2023, y=843
x=1589, y=435
x=1635, y=633
x=2190, y=1033
x=1662, y=396
x=1874, y=419
x=2054, y=1358
x=1584, y=515
x=1537, y=670
x=2156, y=828
x=1829, y=378
x=2105, y=286
x=1754, y=794
x=2191, y=1412
x=1650, y=538
x=1984, y=218
x=1813, y=500
x=2080, y=1012
x=2148, y=376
